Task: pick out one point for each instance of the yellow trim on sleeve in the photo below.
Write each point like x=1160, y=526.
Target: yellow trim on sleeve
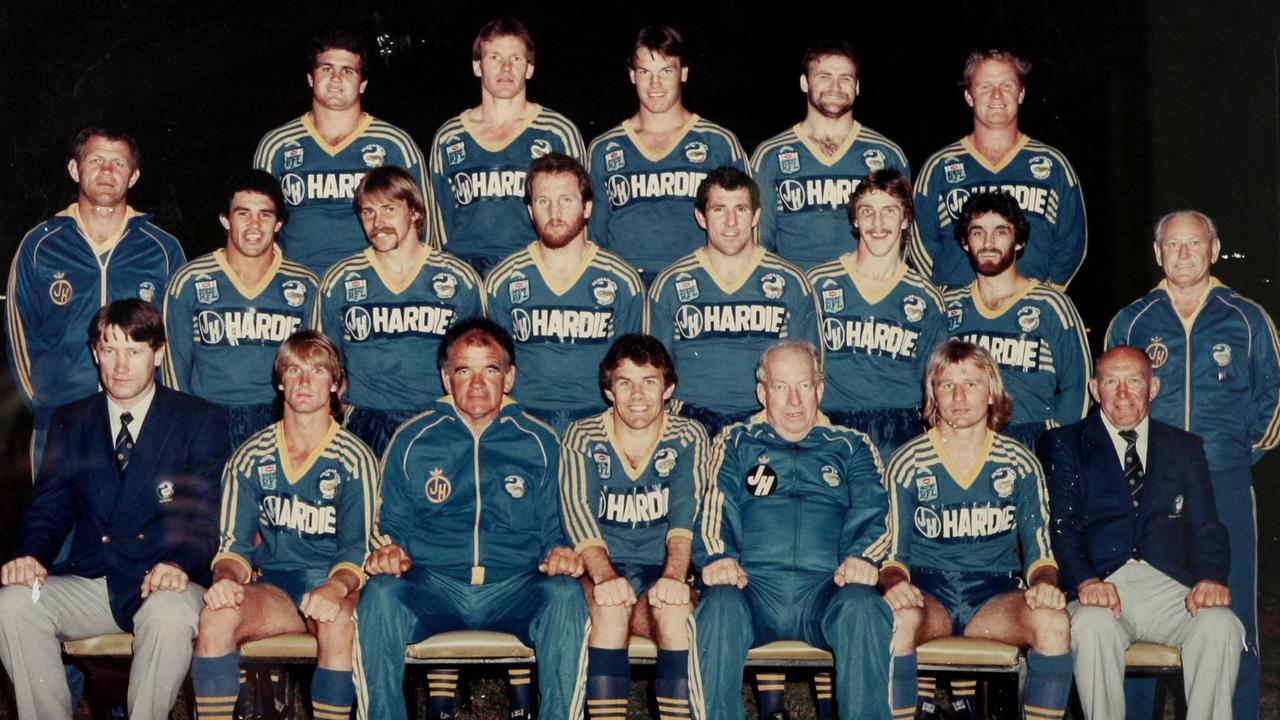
x=1042, y=562
x=593, y=542
x=680, y=533
x=895, y=564
x=359, y=571
x=235, y=557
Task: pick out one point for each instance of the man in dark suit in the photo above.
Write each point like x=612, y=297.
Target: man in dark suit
x=134, y=470
x=1139, y=544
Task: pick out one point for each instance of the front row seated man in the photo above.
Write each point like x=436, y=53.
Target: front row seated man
x=793, y=529
x=630, y=480
x=134, y=470
x=469, y=533
x=964, y=496
x=1142, y=551
x=307, y=488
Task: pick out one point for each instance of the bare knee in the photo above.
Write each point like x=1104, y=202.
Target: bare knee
x=907, y=623
x=1050, y=631
x=335, y=641
x=671, y=623
x=610, y=625
x=217, y=631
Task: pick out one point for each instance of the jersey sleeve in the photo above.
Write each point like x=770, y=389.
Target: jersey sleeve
x=237, y=519
x=356, y=501
x=687, y=486
x=1071, y=234
x=497, y=303
x=902, y=506
x=763, y=173
x=661, y=312
x=867, y=523
x=416, y=164
x=1264, y=426
x=328, y=313
x=601, y=208
x=804, y=320
x=633, y=316
x=718, y=536
x=1073, y=365
x=926, y=241
x=21, y=318
x=394, y=522
x=576, y=486
x=441, y=209
x=1033, y=517
x=176, y=371
x=933, y=332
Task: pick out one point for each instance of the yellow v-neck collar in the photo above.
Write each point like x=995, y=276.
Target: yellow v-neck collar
x=846, y=261
x=291, y=474
x=963, y=477
x=628, y=128
x=967, y=143
x=611, y=432
x=835, y=157
x=73, y=212
x=535, y=254
x=473, y=129
x=1188, y=323
x=728, y=288
x=397, y=288
x=309, y=124
x=1004, y=306
x=249, y=293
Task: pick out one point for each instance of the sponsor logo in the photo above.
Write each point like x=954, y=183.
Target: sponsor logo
x=1038, y=200
x=926, y=488
x=633, y=506
x=966, y=523
x=953, y=169
x=445, y=285
x=60, y=290
x=955, y=314
x=833, y=300
x=622, y=189
x=815, y=193
x=295, y=292
x=319, y=186
x=1009, y=351
x=927, y=522
x=396, y=320
x=294, y=188
x=561, y=324
x=514, y=485
x=300, y=516
x=870, y=336
x=614, y=159
x=468, y=187
x=146, y=291
x=329, y=480
x=604, y=462
x=267, y=476
x=1158, y=352
x=956, y=200
x=207, y=291
x=437, y=487
x=761, y=480
x=244, y=327
x=455, y=152
x=731, y=319
x=518, y=289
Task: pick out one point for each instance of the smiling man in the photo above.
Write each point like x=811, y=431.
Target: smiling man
x=320, y=158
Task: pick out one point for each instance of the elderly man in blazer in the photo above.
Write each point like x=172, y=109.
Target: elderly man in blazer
x=134, y=470
x=1139, y=544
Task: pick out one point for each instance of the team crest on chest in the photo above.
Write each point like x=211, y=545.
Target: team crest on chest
x=267, y=476
x=1157, y=352
x=833, y=300
x=206, y=289
x=686, y=288
x=1028, y=318
x=357, y=288
x=164, y=491
x=1222, y=354
x=614, y=159
x=788, y=160
x=926, y=488
x=295, y=292
x=913, y=307
x=830, y=476
x=455, y=151
x=772, y=285
x=1177, y=505
x=373, y=155
x=1040, y=167
x=955, y=314
x=437, y=487
x=60, y=290
x=604, y=290
x=604, y=463
x=540, y=148
x=1002, y=481
x=292, y=155
x=953, y=170
x=445, y=285
x=695, y=152
x=514, y=485
x=146, y=291
x=329, y=480
x=874, y=159
x=518, y=288
x=665, y=461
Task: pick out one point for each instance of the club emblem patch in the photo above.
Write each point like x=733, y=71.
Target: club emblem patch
x=540, y=148
x=374, y=155
x=146, y=291
x=1157, y=352
x=1040, y=167
x=604, y=290
x=295, y=293
x=1002, y=482
x=696, y=152
x=874, y=159
x=1028, y=318
x=788, y=160
x=665, y=461
x=445, y=285
x=329, y=480
x=164, y=492
x=772, y=285
x=206, y=291
x=438, y=487
x=830, y=476
x=913, y=307
x=60, y=290
x=514, y=485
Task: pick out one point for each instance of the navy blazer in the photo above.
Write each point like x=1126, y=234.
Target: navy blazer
x=164, y=508
x=1096, y=529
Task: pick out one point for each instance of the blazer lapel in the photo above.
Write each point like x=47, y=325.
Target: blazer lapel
x=101, y=444
x=1100, y=450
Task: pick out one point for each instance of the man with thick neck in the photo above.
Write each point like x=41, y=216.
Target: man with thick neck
x=387, y=307
x=478, y=544
x=563, y=298
x=997, y=156
x=1215, y=353
x=1031, y=329
x=479, y=158
x=724, y=303
x=646, y=170
x=320, y=158
x=226, y=313
x=96, y=251
x=807, y=172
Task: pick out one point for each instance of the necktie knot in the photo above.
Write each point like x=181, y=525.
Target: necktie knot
x=126, y=417
x=1130, y=436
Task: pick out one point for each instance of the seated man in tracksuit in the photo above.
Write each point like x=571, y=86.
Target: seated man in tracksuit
x=468, y=533
x=792, y=530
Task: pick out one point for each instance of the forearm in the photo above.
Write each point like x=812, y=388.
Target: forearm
x=679, y=556
x=598, y=566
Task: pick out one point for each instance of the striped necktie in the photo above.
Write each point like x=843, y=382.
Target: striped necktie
x=124, y=441
x=1132, y=464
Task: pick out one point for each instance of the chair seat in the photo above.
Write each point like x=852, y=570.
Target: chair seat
x=109, y=645
x=1141, y=655
x=972, y=652
x=294, y=646
x=470, y=644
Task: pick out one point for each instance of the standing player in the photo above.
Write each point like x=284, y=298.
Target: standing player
x=388, y=306
x=95, y=252
x=479, y=158
x=998, y=157
x=965, y=498
x=1215, y=353
x=807, y=172
x=646, y=171
x=320, y=157
x=630, y=481
x=227, y=312
x=880, y=319
x=563, y=298
x=1032, y=330
x=724, y=303
x=306, y=488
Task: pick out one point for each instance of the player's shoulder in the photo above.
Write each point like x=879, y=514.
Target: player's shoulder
x=830, y=270
x=961, y=294
x=517, y=262
x=774, y=263
x=206, y=264
x=520, y=420
x=142, y=224
x=275, y=139
x=338, y=272
x=1251, y=309
x=1008, y=450
x=382, y=130
x=827, y=432
x=1058, y=161
x=352, y=449
x=953, y=152
x=293, y=270
x=449, y=262
x=913, y=278
x=665, y=279
x=259, y=445
x=438, y=417
x=772, y=146
x=716, y=131
x=1055, y=300
x=450, y=131
x=549, y=116
x=875, y=137
x=600, y=144
x=613, y=263
x=685, y=430
x=583, y=432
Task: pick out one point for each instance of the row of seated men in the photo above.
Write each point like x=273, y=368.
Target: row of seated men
x=565, y=298
x=480, y=517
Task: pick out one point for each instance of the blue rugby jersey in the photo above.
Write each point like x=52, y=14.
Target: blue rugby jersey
x=562, y=333
x=223, y=335
x=479, y=186
x=58, y=282
x=389, y=334
x=1036, y=175
x=319, y=182
x=876, y=347
x=804, y=192
x=643, y=207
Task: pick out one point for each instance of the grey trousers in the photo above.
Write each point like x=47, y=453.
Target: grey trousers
x=71, y=608
x=1152, y=609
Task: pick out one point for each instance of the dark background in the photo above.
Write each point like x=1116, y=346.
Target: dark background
x=1159, y=105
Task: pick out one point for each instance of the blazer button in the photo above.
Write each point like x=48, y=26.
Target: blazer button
x=106, y=539
x=142, y=536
